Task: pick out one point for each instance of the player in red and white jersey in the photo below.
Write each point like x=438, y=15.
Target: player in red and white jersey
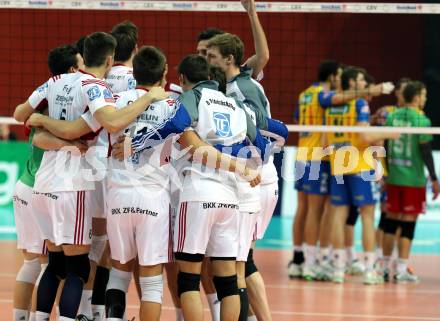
x=61, y=60
x=138, y=216
x=88, y=92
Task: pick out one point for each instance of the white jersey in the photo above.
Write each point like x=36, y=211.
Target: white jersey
x=251, y=91
x=60, y=170
x=220, y=121
x=149, y=167
x=120, y=78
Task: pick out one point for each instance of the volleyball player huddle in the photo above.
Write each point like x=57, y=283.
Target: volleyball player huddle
x=176, y=178
x=338, y=174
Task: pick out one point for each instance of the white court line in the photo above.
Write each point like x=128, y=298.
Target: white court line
x=311, y=314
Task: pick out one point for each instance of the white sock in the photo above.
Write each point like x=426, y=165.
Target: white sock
x=41, y=316
x=369, y=259
x=386, y=262
x=339, y=259
x=324, y=254
x=31, y=316
x=310, y=255
x=20, y=315
x=298, y=248
x=351, y=254
x=214, y=306
x=65, y=319
x=85, y=306
x=98, y=312
x=252, y=318
x=402, y=266
x=179, y=315
x=379, y=253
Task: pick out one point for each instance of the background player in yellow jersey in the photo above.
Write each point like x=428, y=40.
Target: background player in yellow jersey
x=352, y=172
x=312, y=167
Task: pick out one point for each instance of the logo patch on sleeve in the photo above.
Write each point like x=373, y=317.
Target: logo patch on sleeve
x=108, y=96
x=94, y=93
x=131, y=83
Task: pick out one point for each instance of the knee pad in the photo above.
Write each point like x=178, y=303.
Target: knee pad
x=43, y=268
x=115, y=303
x=119, y=280
x=152, y=288
x=352, y=216
x=97, y=247
x=187, y=282
x=78, y=265
x=408, y=229
x=390, y=226
x=29, y=271
x=382, y=220
x=57, y=264
x=225, y=286
x=250, y=267
x=182, y=256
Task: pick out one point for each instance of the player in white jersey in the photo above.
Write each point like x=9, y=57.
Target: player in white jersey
x=138, y=218
x=71, y=96
x=226, y=51
x=61, y=60
x=207, y=223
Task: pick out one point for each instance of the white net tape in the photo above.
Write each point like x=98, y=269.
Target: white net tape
x=226, y=6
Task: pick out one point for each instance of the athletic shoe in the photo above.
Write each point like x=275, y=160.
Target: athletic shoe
x=356, y=267
x=386, y=275
x=82, y=317
x=326, y=271
x=372, y=278
x=406, y=277
x=294, y=270
x=338, y=276
x=311, y=273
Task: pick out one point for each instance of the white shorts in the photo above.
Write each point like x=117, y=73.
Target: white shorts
x=247, y=233
x=99, y=200
x=29, y=237
x=65, y=217
x=138, y=224
x=269, y=199
x=207, y=228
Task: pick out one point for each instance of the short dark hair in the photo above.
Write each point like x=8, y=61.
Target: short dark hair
x=126, y=35
x=209, y=33
x=149, y=65
x=217, y=74
x=97, y=47
x=351, y=73
x=80, y=45
x=229, y=44
x=60, y=59
x=195, y=68
x=328, y=68
x=412, y=89
x=401, y=82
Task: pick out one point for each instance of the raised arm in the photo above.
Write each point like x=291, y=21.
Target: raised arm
x=259, y=60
